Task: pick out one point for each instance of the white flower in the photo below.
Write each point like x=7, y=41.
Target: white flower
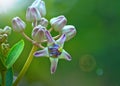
x=7, y=30
x=54, y=51
x=38, y=33
x=32, y=14
x=43, y=22
x=69, y=31
x=18, y=24
x=58, y=23
x=40, y=5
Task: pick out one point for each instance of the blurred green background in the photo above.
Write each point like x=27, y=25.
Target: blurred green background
x=95, y=49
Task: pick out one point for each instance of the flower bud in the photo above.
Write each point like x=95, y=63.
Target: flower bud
x=69, y=31
x=43, y=22
x=38, y=33
x=3, y=38
x=5, y=48
x=40, y=5
x=58, y=23
x=32, y=14
x=7, y=30
x=1, y=31
x=18, y=24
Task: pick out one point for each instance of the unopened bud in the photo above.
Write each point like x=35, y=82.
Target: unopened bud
x=7, y=30
x=69, y=31
x=32, y=14
x=18, y=24
x=40, y=5
x=43, y=22
x=1, y=31
x=5, y=48
x=58, y=23
x=38, y=33
x=3, y=38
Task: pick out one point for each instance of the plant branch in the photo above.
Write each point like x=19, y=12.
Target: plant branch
x=32, y=41
x=55, y=37
x=26, y=65
x=27, y=37
x=50, y=29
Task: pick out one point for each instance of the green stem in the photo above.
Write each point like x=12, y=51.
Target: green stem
x=3, y=73
x=26, y=65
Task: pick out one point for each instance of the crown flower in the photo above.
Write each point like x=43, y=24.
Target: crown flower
x=54, y=51
x=58, y=23
x=18, y=24
x=32, y=14
x=38, y=33
x=69, y=31
x=40, y=5
x=43, y=22
x=41, y=38
x=7, y=30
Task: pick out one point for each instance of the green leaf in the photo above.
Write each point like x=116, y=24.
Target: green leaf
x=9, y=77
x=14, y=53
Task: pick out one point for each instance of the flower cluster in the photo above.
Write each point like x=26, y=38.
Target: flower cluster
x=4, y=46
x=54, y=50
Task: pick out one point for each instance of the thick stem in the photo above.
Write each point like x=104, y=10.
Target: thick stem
x=3, y=74
x=38, y=45
x=26, y=65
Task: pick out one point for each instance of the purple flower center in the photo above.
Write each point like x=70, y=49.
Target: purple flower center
x=54, y=50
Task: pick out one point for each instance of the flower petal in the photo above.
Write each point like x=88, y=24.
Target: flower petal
x=65, y=55
x=61, y=40
x=49, y=38
x=54, y=62
x=41, y=53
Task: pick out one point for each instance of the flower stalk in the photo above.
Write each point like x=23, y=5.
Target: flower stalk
x=3, y=74
x=27, y=37
x=26, y=65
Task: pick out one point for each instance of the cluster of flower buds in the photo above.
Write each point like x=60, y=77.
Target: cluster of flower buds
x=59, y=24
x=54, y=50
x=6, y=30
x=36, y=11
x=4, y=46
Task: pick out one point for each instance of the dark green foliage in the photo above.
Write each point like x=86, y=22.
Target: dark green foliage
x=9, y=77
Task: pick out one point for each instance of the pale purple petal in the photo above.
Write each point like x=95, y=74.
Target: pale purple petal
x=41, y=53
x=65, y=55
x=49, y=37
x=61, y=40
x=54, y=62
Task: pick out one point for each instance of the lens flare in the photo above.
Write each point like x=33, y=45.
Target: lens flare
x=99, y=71
x=87, y=63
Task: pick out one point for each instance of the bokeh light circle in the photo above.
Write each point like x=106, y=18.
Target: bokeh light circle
x=87, y=63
